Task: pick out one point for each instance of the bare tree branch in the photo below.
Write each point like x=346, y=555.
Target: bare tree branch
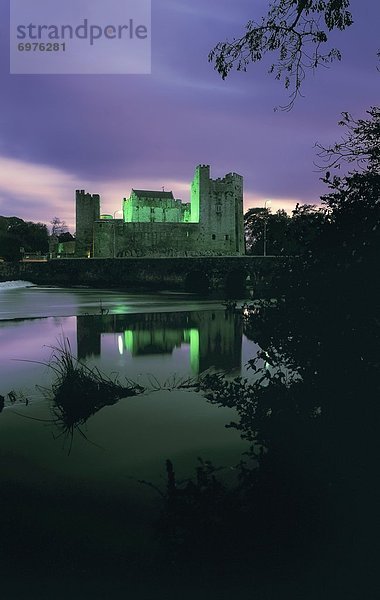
x=360, y=143
x=294, y=30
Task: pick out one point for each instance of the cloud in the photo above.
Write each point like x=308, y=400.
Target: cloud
x=33, y=191
x=39, y=192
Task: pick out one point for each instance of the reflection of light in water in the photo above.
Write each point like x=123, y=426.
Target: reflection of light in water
x=128, y=340
x=190, y=336
x=194, y=350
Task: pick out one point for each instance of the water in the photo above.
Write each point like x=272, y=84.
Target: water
x=158, y=341
x=20, y=299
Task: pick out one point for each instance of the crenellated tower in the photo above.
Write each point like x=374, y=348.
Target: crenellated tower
x=217, y=205
x=87, y=211
x=155, y=223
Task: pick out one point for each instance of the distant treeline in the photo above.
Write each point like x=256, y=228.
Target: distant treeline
x=280, y=234
x=16, y=234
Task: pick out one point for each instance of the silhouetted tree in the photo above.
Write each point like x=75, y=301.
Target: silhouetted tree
x=260, y=221
x=360, y=144
x=16, y=234
x=305, y=228
x=33, y=236
x=58, y=226
x=295, y=31
x=254, y=220
x=309, y=496
x=9, y=247
x=285, y=235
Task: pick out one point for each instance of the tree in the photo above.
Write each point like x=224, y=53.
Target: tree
x=58, y=226
x=254, y=229
x=285, y=235
x=295, y=32
x=16, y=233
x=9, y=247
x=305, y=228
x=360, y=144
x=342, y=241
x=359, y=191
x=260, y=220
x=32, y=236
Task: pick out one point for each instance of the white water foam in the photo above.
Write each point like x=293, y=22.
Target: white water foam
x=11, y=285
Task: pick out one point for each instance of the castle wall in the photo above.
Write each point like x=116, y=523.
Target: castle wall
x=156, y=224
x=154, y=210
x=115, y=238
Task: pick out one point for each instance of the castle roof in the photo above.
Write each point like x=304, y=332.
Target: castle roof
x=152, y=194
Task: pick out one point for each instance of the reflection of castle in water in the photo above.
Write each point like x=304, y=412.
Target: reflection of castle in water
x=214, y=338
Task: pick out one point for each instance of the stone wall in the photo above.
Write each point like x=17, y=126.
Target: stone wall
x=190, y=274
x=218, y=205
x=9, y=271
x=155, y=210
x=156, y=224
x=115, y=238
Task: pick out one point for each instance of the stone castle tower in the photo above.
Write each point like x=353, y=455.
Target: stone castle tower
x=87, y=212
x=154, y=223
x=218, y=206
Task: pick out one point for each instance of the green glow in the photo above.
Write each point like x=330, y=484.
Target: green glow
x=127, y=210
x=119, y=310
x=194, y=215
x=128, y=340
x=194, y=350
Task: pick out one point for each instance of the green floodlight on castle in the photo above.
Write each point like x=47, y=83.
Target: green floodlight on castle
x=156, y=223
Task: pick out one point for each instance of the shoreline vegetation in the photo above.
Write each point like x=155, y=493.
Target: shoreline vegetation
x=76, y=393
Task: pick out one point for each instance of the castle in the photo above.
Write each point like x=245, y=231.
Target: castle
x=154, y=223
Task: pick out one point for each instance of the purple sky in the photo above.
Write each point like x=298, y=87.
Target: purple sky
x=110, y=133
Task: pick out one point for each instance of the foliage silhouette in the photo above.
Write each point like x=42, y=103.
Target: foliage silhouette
x=307, y=490
x=16, y=233
x=360, y=143
x=295, y=31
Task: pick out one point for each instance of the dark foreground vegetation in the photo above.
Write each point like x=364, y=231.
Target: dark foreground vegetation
x=302, y=517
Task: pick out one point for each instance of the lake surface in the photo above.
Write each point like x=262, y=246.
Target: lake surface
x=70, y=494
